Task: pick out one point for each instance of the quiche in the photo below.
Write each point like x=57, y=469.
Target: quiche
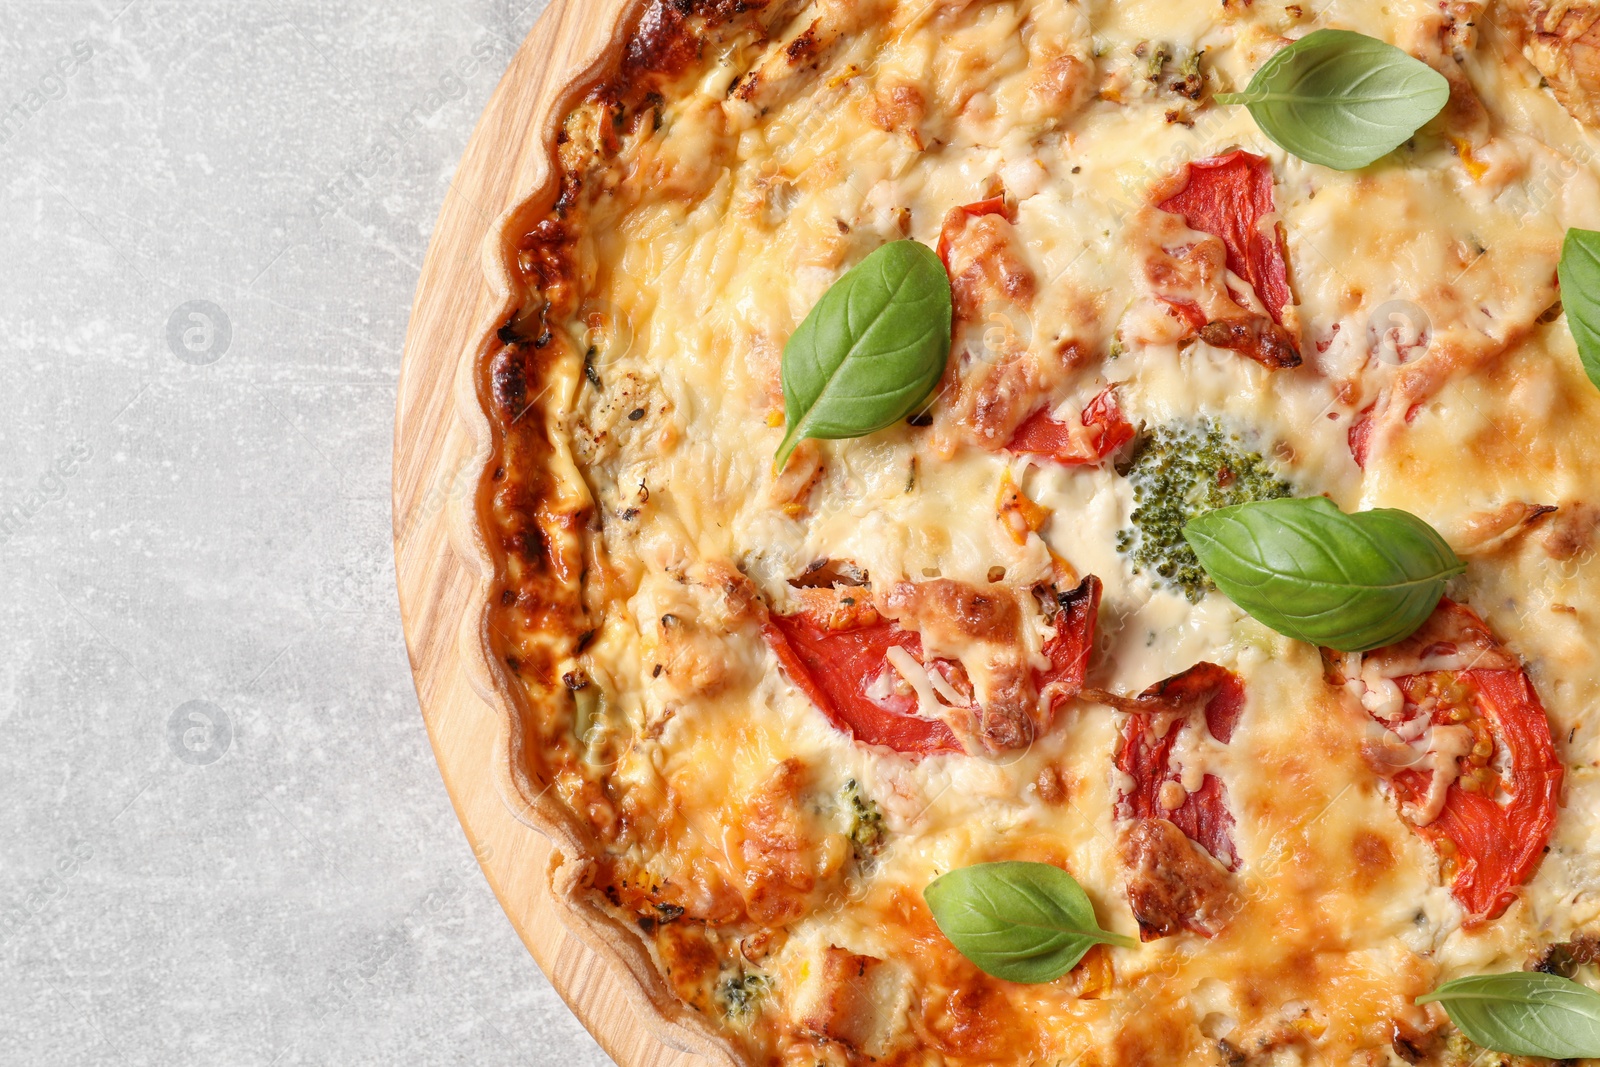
x=1063, y=531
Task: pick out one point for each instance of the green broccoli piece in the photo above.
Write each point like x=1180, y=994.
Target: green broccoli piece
x=741, y=995
x=1177, y=473
x=867, y=832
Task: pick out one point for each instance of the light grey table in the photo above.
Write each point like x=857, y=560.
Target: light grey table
x=223, y=839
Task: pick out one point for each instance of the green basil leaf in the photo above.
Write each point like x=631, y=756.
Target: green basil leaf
x=1342, y=99
x=872, y=349
x=1524, y=1013
x=1580, y=295
x=1021, y=922
x=1313, y=573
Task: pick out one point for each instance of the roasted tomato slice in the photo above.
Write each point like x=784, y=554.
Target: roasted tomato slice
x=1069, y=649
x=955, y=221
x=1360, y=436
x=1108, y=430
x=1493, y=821
x=1146, y=756
x=1227, y=197
x=842, y=670
x=1169, y=885
x=835, y=668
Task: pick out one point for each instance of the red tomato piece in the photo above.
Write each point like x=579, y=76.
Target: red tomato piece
x=956, y=221
x=1227, y=197
x=834, y=668
x=1494, y=845
x=1041, y=435
x=1360, y=437
x=1187, y=310
x=1109, y=428
x=1069, y=649
x=1146, y=757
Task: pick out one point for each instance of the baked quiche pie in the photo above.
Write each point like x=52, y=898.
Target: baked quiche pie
x=1052, y=532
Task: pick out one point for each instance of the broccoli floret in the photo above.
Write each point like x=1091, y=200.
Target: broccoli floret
x=741, y=995
x=866, y=821
x=1177, y=473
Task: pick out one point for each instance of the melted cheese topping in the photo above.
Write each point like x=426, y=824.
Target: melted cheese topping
x=718, y=231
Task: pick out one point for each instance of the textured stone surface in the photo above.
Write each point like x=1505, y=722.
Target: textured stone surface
x=224, y=836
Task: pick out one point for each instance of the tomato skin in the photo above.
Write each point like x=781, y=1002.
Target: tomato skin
x=1041, y=435
x=1360, y=436
x=1146, y=757
x=1227, y=196
x=834, y=667
x=1494, y=847
x=956, y=220
x=1497, y=848
x=1069, y=649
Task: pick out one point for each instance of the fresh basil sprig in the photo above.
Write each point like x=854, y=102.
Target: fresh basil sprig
x=1311, y=572
x=1342, y=99
x=871, y=350
x=1524, y=1013
x=1579, y=272
x=1021, y=922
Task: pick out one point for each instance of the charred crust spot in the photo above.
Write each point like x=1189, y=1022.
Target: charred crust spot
x=1172, y=884
x=1259, y=338
x=571, y=186
x=548, y=231
x=510, y=383
x=803, y=47
x=665, y=914
x=743, y=87
x=544, y=256
x=665, y=42
x=1565, y=958
x=1406, y=1049
x=671, y=35
x=1191, y=86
